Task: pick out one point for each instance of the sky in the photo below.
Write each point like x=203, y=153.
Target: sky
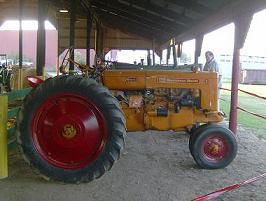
x=222, y=40
x=26, y=25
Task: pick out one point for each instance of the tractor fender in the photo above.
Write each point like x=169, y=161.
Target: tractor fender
x=34, y=81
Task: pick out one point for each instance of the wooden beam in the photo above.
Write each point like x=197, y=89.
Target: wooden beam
x=131, y=17
x=192, y=5
x=126, y=26
x=158, y=29
x=164, y=12
x=141, y=15
x=131, y=25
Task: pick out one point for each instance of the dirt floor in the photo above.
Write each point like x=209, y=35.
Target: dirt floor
x=155, y=166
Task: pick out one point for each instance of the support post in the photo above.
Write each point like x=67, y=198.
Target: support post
x=234, y=92
x=174, y=52
x=21, y=3
x=3, y=137
x=242, y=25
x=198, y=46
x=20, y=52
x=97, y=38
x=99, y=41
x=179, y=49
x=148, y=58
x=72, y=33
x=153, y=52
x=41, y=38
x=58, y=47
x=89, y=28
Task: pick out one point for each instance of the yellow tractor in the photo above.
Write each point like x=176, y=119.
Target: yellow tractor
x=72, y=128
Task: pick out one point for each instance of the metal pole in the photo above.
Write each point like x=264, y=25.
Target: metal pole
x=72, y=33
x=242, y=24
x=153, y=52
x=179, y=51
x=175, y=56
x=21, y=3
x=89, y=28
x=234, y=92
x=148, y=58
x=41, y=38
x=198, y=47
x=97, y=41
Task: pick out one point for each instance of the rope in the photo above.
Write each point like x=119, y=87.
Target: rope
x=244, y=110
x=252, y=94
x=252, y=113
x=225, y=89
x=218, y=193
x=246, y=92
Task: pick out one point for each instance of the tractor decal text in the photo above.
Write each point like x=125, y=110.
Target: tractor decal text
x=131, y=79
x=176, y=80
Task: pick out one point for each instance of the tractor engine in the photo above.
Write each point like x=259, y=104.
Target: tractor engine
x=159, y=103
x=165, y=100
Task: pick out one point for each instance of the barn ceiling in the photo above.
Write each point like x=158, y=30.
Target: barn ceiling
x=134, y=23
x=164, y=19
x=159, y=19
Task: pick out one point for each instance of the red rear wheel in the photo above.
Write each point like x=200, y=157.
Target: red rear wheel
x=71, y=129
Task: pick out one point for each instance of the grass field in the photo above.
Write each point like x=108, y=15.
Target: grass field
x=249, y=103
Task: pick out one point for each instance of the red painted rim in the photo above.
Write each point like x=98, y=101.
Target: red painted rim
x=215, y=148
x=69, y=131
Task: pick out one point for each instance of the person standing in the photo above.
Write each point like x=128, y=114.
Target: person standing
x=212, y=66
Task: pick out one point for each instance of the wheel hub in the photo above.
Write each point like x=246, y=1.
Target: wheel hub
x=215, y=148
x=69, y=131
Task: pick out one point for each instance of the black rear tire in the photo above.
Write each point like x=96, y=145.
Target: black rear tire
x=214, y=147
x=106, y=104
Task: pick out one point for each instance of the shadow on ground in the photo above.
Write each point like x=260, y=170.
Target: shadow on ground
x=155, y=166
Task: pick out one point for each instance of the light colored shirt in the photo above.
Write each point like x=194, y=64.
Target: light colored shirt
x=213, y=66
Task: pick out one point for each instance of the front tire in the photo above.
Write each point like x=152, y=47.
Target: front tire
x=214, y=147
x=71, y=129
x=193, y=134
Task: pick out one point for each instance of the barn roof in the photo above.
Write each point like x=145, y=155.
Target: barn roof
x=134, y=23
x=164, y=19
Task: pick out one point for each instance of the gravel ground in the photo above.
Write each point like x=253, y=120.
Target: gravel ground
x=155, y=166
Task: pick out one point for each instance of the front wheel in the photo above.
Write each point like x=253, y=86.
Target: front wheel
x=196, y=129
x=71, y=129
x=213, y=147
